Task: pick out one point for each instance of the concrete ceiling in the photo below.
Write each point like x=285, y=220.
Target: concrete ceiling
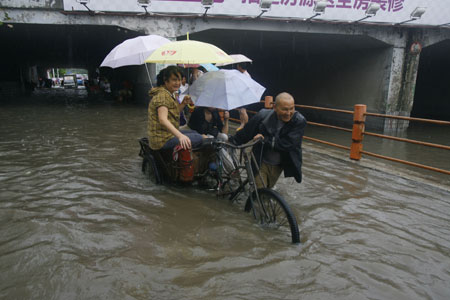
x=264, y=44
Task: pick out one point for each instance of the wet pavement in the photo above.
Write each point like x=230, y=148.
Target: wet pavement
x=78, y=220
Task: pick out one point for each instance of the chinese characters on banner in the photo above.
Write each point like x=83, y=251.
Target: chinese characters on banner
x=386, y=5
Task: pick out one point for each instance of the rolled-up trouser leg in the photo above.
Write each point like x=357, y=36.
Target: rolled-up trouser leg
x=269, y=174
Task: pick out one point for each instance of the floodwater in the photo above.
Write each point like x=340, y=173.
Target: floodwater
x=78, y=220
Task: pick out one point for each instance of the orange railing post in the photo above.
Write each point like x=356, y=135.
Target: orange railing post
x=268, y=102
x=359, y=119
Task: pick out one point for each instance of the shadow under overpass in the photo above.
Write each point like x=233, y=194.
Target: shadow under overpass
x=432, y=95
x=328, y=70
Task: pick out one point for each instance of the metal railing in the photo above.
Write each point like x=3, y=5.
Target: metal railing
x=358, y=132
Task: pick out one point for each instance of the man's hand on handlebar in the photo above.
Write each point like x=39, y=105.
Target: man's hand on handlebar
x=259, y=136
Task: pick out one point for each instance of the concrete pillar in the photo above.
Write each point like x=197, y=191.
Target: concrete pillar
x=33, y=73
x=29, y=78
x=402, y=82
x=395, y=85
x=405, y=104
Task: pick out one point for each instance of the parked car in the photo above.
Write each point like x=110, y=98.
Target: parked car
x=70, y=81
x=80, y=79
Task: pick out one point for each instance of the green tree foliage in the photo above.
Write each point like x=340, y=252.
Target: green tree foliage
x=62, y=72
x=5, y=18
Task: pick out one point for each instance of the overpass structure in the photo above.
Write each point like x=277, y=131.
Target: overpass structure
x=392, y=62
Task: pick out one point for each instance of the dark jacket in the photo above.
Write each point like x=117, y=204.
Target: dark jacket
x=198, y=123
x=288, y=142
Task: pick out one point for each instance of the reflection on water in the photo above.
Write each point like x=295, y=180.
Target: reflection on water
x=78, y=220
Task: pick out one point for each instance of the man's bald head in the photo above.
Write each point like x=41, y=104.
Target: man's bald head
x=284, y=106
x=283, y=96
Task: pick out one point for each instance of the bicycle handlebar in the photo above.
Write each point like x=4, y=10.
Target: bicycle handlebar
x=243, y=146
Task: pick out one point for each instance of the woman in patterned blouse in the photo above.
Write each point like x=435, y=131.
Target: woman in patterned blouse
x=164, y=114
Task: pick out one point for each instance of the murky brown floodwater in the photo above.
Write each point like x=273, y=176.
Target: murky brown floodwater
x=78, y=220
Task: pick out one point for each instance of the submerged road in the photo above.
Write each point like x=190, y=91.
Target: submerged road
x=78, y=220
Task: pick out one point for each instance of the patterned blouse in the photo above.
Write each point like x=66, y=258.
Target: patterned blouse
x=158, y=134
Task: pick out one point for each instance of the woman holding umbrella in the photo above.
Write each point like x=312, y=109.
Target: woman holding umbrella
x=164, y=114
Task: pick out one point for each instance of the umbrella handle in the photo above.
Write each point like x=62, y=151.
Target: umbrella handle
x=148, y=73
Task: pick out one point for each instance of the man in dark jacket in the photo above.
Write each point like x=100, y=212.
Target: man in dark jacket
x=282, y=129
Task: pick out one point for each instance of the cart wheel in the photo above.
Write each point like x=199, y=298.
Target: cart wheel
x=274, y=212
x=150, y=169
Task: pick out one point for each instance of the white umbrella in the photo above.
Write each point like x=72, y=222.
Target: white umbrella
x=237, y=58
x=225, y=89
x=133, y=51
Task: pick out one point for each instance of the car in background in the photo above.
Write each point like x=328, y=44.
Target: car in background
x=80, y=79
x=70, y=81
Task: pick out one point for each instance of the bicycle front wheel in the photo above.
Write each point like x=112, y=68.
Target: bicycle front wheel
x=273, y=211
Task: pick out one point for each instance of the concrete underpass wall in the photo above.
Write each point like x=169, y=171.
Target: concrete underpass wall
x=432, y=95
x=334, y=80
x=334, y=71
x=9, y=81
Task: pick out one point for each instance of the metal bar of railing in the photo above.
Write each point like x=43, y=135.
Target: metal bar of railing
x=406, y=162
x=409, y=118
x=329, y=126
x=317, y=124
x=407, y=140
x=324, y=108
x=326, y=143
x=374, y=114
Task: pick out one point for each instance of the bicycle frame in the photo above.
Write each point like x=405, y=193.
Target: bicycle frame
x=248, y=157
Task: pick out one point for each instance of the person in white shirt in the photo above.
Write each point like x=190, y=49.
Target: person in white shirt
x=184, y=85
